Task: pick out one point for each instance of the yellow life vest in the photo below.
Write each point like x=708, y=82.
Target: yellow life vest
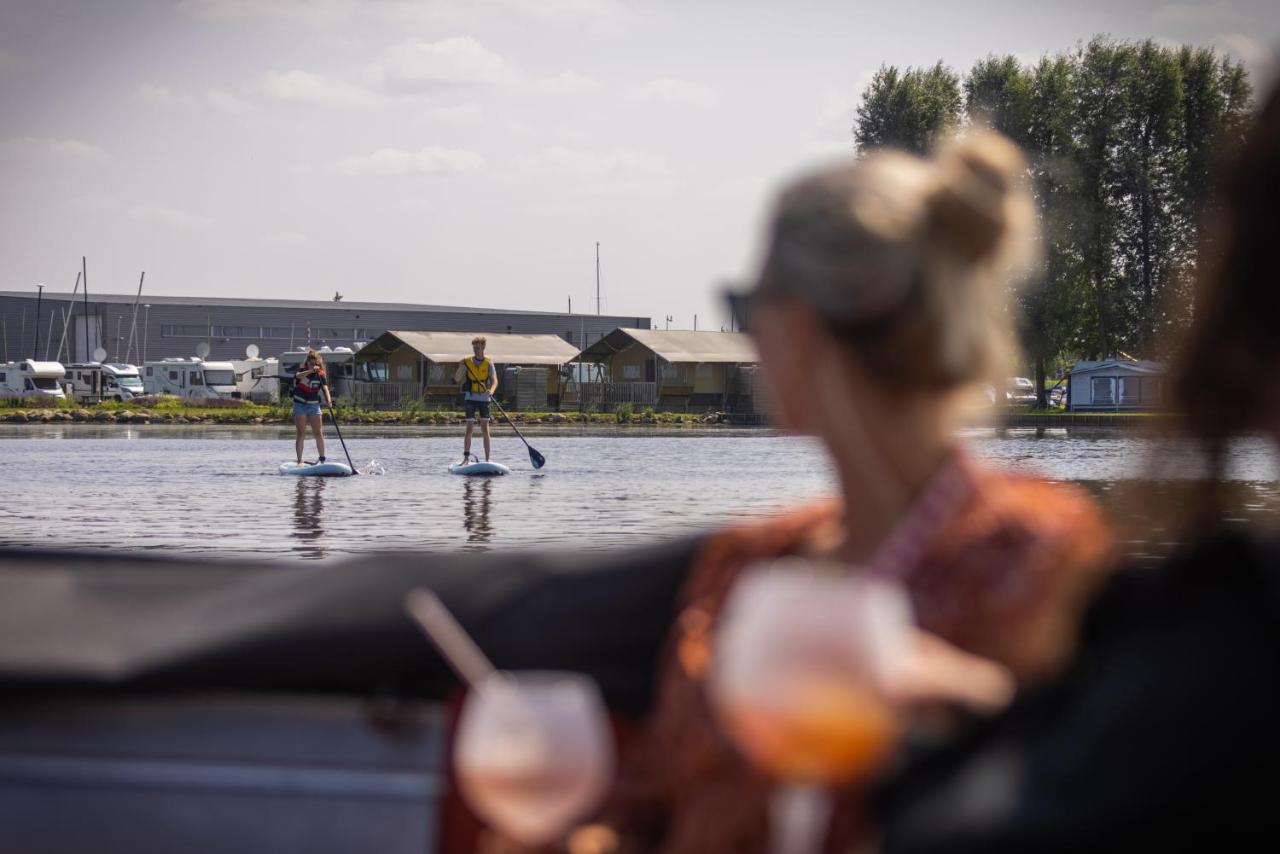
x=477, y=375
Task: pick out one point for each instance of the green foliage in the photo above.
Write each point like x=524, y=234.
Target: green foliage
x=1121, y=138
x=908, y=109
x=623, y=413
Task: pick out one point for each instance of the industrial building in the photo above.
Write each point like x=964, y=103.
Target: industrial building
x=174, y=326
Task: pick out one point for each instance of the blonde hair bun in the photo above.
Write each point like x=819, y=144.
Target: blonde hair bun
x=981, y=204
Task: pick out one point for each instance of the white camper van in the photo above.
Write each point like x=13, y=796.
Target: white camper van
x=258, y=379
x=192, y=377
x=339, y=363
x=29, y=378
x=91, y=382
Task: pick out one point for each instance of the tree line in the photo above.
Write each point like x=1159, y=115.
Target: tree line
x=1120, y=139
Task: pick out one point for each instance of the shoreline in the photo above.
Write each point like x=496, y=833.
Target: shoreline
x=110, y=415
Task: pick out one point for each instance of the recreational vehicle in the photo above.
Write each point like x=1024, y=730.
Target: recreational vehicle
x=258, y=379
x=339, y=363
x=192, y=377
x=29, y=378
x=92, y=382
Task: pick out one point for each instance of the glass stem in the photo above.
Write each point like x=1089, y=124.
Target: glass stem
x=798, y=817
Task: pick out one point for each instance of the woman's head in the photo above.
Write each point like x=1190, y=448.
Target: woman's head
x=314, y=360
x=898, y=265
x=1225, y=380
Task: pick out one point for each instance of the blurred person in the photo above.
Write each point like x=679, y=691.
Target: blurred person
x=1164, y=733
x=310, y=383
x=877, y=310
x=479, y=381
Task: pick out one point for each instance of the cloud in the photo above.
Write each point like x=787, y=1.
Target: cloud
x=432, y=160
x=402, y=13
x=461, y=114
x=307, y=88
x=672, y=91
x=1257, y=57
x=1197, y=13
x=565, y=83
x=63, y=149
x=415, y=66
x=225, y=102
x=161, y=96
x=149, y=213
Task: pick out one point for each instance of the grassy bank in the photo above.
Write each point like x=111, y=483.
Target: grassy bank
x=177, y=411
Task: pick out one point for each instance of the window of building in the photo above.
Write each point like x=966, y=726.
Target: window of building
x=2, y=376
x=284, y=332
x=631, y=372
x=703, y=371
x=237, y=331
x=173, y=375
x=1130, y=391
x=179, y=330
x=1102, y=390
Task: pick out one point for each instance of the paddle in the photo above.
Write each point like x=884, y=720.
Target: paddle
x=333, y=416
x=536, y=458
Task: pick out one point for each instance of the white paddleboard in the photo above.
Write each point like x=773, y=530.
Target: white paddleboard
x=479, y=468
x=325, y=469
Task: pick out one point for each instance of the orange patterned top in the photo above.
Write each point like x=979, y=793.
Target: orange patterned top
x=998, y=565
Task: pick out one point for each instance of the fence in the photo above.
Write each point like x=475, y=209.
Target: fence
x=383, y=394
x=604, y=395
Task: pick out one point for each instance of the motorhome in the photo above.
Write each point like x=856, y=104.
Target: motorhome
x=339, y=364
x=92, y=382
x=30, y=378
x=258, y=379
x=192, y=377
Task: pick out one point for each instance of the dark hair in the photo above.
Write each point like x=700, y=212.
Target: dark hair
x=1233, y=341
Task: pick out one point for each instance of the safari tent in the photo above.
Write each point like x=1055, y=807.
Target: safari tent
x=399, y=366
x=672, y=369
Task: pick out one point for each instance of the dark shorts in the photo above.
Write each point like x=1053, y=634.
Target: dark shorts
x=473, y=405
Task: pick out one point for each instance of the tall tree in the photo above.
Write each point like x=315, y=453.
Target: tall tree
x=909, y=109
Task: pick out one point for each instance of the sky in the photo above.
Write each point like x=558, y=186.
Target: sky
x=468, y=153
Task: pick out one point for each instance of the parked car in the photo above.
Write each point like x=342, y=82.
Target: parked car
x=1019, y=391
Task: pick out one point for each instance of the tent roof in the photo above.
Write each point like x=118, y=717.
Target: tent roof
x=679, y=346
x=503, y=348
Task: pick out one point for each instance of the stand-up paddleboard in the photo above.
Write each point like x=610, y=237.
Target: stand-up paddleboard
x=325, y=469
x=479, y=468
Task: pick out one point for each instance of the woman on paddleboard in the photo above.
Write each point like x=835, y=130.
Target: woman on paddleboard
x=309, y=383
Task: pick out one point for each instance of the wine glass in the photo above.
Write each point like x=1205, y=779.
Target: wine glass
x=803, y=659
x=533, y=752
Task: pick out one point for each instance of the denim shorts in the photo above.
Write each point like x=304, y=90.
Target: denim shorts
x=473, y=405
x=306, y=408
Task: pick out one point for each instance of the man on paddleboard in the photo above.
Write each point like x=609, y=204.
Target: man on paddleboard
x=479, y=380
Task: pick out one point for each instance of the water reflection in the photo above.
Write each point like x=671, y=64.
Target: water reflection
x=308, y=517
x=476, y=498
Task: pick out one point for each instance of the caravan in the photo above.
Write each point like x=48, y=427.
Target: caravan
x=192, y=377
x=257, y=379
x=339, y=363
x=29, y=378
x=93, y=382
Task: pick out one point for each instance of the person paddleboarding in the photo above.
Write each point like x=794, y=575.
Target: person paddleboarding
x=309, y=383
x=479, y=380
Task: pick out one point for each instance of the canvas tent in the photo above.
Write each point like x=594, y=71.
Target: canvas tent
x=405, y=365
x=1117, y=385
x=673, y=369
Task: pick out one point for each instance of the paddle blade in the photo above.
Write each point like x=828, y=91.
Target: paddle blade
x=536, y=458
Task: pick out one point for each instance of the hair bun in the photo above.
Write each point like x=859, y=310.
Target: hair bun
x=981, y=198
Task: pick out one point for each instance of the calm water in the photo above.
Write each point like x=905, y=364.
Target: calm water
x=215, y=491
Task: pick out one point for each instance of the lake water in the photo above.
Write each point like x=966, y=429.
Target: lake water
x=214, y=491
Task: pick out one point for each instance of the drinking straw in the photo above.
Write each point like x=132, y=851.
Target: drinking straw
x=448, y=635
